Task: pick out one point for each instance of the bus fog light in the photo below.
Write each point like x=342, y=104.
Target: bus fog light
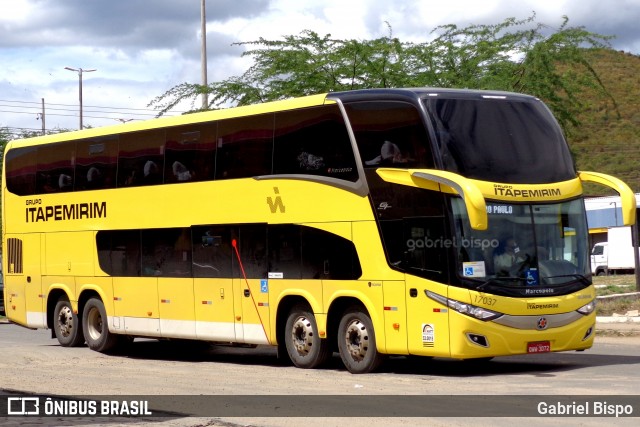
x=588, y=334
x=480, y=340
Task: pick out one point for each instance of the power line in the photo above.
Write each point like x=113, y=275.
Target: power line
x=38, y=105
x=40, y=110
x=49, y=107
x=33, y=110
x=66, y=115
x=58, y=110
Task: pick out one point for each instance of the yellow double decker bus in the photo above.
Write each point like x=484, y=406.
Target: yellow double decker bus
x=428, y=222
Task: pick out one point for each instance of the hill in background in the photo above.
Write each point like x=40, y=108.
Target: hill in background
x=608, y=138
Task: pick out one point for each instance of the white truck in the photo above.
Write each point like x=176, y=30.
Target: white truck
x=614, y=255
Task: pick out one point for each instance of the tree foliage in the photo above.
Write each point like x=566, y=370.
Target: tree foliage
x=514, y=55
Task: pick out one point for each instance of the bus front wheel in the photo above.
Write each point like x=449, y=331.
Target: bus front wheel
x=357, y=342
x=95, y=326
x=66, y=324
x=304, y=346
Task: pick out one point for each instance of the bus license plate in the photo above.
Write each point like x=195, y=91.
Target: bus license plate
x=539, y=347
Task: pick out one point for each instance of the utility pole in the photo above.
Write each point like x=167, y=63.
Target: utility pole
x=203, y=53
x=44, y=128
x=79, y=71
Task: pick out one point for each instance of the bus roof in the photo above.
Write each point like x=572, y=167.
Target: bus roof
x=408, y=94
x=248, y=110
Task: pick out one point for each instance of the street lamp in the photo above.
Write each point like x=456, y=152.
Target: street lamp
x=203, y=54
x=79, y=71
x=615, y=211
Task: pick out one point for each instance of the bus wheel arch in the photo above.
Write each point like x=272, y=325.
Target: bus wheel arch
x=66, y=324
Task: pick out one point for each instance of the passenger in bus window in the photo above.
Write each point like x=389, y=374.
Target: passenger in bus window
x=181, y=172
x=151, y=173
x=390, y=153
x=65, y=182
x=94, y=178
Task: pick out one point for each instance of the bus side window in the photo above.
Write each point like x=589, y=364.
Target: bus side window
x=190, y=153
x=212, y=251
x=328, y=256
x=313, y=141
x=55, y=171
x=96, y=163
x=284, y=251
x=141, y=158
x=20, y=170
x=245, y=147
x=166, y=252
x=390, y=134
x=119, y=252
x=252, y=245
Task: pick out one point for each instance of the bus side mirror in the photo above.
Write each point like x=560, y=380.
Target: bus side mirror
x=445, y=182
x=627, y=197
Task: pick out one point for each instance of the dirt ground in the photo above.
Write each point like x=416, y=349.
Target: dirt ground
x=32, y=362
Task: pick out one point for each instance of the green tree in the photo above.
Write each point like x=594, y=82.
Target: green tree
x=514, y=55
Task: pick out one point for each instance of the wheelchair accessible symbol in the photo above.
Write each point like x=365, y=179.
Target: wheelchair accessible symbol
x=532, y=277
x=264, y=286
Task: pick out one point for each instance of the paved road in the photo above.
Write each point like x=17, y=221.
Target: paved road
x=32, y=362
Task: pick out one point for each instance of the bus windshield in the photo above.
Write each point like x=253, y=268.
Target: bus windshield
x=514, y=140
x=527, y=246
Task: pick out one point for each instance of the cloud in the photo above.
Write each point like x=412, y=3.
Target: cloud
x=127, y=24
x=142, y=48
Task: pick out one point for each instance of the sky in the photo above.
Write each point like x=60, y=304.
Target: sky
x=139, y=49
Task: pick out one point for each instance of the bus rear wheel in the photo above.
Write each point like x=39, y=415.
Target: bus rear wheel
x=96, y=328
x=357, y=342
x=66, y=324
x=304, y=346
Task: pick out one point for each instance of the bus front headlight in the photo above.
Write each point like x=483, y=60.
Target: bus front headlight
x=587, y=309
x=470, y=310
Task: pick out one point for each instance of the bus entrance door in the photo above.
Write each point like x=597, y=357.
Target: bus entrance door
x=252, y=310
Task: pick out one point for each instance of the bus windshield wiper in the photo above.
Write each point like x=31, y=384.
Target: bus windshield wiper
x=500, y=279
x=424, y=270
x=581, y=278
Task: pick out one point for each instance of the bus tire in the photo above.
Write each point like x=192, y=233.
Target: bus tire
x=357, y=342
x=66, y=324
x=303, y=343
x=96, y=328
